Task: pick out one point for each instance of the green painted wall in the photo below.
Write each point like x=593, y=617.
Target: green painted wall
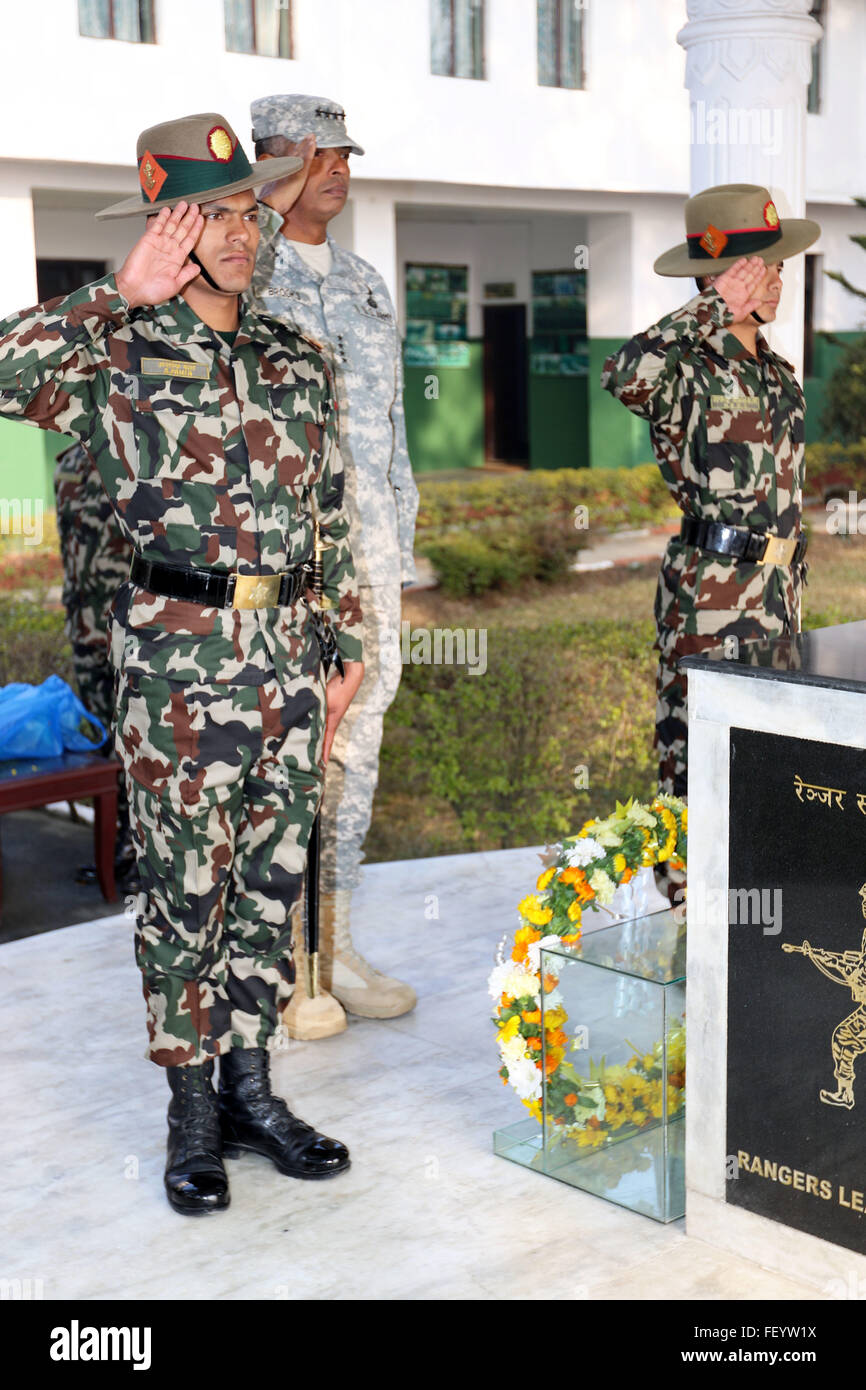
x=27, y=464
x=446, y=431
x=825, y=357
x=558, y=422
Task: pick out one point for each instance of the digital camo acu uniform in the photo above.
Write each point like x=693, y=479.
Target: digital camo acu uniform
x=215, y=457
x=350, y=313
x=96, y=557
x=727, y=430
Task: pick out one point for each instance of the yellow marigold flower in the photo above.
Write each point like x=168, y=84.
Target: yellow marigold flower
x=640, y=1117
x=685, y=817
x=619, y=863
x=545, y=878
x=531, y=909
x=534, y=1108
x=510, y=1029
x=575, y=912
x=554, y=1018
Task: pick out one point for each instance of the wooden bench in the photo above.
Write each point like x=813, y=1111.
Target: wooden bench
x=29, y=782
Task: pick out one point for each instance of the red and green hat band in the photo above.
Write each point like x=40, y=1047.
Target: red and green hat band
x=747, y=243
x=186, y=178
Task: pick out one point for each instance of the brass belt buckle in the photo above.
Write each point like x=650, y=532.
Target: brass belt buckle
x=256, y=590
x=779, y=551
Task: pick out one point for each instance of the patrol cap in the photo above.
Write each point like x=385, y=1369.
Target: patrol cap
x=733, y=220
x=193, y=160
x=295, y=116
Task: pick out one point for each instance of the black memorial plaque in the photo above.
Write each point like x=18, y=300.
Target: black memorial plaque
x=796, y=1113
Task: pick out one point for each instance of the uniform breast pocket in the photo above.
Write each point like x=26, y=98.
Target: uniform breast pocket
x=299, y=429
x=177, y=426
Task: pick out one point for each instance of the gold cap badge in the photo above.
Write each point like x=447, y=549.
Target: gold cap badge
x=151, y=175
x=771, y=217
x=219, y=143
x=713, y=241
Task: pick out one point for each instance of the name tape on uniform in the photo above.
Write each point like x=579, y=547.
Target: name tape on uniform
x=189, y=371
x=734, y=403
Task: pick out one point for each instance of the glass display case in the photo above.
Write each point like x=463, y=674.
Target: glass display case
x=613, y=1067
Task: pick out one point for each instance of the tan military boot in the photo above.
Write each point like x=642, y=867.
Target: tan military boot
x=360, y=988
x=307, y=1019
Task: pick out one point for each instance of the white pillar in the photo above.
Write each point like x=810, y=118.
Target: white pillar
x=375, y=233
x=747, y=70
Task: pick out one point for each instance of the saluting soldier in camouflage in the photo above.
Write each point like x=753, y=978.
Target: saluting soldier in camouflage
x=727, y=426
x=214, y=431
x=341, y=301
x=96, y=556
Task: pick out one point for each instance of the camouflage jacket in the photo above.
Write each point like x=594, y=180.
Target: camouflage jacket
x=350, y=313
x=211, y=455
x=727, y=429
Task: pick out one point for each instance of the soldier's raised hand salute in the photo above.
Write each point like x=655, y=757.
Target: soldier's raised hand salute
x=739, y=286
x=156, y=268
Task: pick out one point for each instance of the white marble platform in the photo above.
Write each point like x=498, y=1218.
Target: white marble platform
x=426, y=1212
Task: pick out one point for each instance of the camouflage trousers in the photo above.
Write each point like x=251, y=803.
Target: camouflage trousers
x=670, y=740
x=224, y=782
x=353, y=766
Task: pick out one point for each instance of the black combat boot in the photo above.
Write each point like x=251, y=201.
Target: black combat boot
x=254, y=1119
x=195, y=1178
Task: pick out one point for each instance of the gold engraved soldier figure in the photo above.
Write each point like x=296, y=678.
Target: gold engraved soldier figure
x=849, y=1037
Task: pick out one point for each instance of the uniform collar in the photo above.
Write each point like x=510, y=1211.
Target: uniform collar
x=180, y=323
x=341, y=261
x=726, y=344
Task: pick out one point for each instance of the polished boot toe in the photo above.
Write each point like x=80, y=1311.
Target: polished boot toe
x=195, y=1179
x=252, y=1119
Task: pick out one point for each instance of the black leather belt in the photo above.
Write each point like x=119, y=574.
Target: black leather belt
x=758, y=547
x=219, y=588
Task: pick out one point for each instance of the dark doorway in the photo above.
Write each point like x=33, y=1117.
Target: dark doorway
x=56, y=278
x=506, y=428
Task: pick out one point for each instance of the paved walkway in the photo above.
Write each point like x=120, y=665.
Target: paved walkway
x=426, y=1211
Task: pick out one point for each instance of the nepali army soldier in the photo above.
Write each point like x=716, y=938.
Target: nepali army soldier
x=341, y=301
x=727, y=426
x=215, y=434
x=96, y=556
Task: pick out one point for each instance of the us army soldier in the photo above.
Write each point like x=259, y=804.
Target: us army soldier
x=304, y=277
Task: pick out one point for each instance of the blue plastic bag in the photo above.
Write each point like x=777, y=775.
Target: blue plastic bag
x=41, y=721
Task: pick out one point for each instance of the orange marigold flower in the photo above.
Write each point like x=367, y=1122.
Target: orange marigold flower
x=628, y=874
x=571, y=1098
x=549, y=983
x=534, y=1043
x=544, y=879
x=557, y=1038
x=532, y=1016
x=575, y=875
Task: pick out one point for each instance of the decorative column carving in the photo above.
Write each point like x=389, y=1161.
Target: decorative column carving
x=748, y=67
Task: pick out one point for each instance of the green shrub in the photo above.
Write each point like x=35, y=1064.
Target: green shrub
x=845, y=410
x=832, y=469
x=33, y=644
x=492, y=760
x=502, y=552
x=615, y=497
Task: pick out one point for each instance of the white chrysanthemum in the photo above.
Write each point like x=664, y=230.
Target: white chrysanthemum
x=512, y=1049
x=511, y=978
x=582, y=852
x=533, y=951
x=525, y=1077
x=603, y=886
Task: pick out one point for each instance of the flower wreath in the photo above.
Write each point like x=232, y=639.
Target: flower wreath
x=586, y=873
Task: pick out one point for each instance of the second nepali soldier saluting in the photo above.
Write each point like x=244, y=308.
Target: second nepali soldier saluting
x=727, y=426
x=215, y=435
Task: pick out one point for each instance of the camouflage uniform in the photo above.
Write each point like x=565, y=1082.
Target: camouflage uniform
x=350, y=312
x=741, y=463
x=218, y=457
x=96, y=556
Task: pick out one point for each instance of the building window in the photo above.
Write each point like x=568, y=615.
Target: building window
x=131, y=20
x=259, y=26
x=560, y=43
x=457, y=38
x=813, y=104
